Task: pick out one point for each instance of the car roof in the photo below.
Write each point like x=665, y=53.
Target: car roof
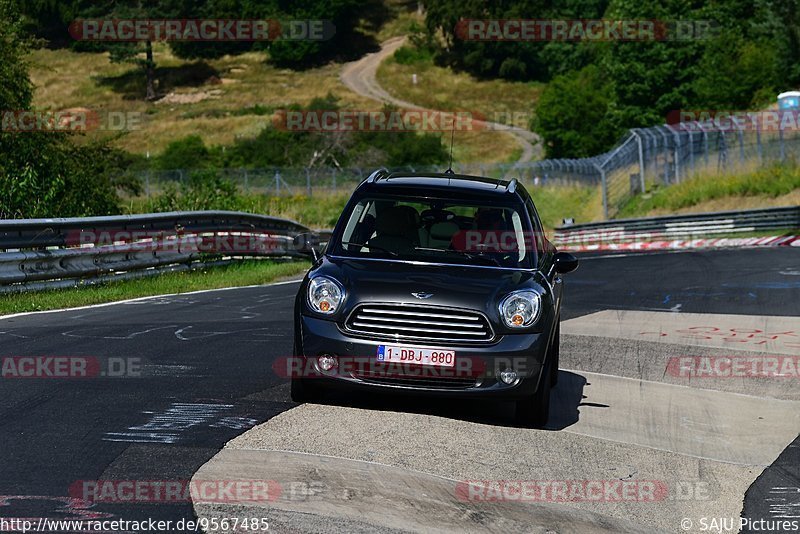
x=400, y=182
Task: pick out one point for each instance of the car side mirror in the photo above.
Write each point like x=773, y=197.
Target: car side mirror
x=565, y=262
x=308, y=243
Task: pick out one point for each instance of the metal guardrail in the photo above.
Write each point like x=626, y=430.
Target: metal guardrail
x=679, y=226
x=55, y=253
x=50, y=253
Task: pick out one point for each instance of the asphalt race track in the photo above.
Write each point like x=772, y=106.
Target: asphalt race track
x=200, y=375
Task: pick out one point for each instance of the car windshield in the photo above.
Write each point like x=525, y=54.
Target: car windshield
x=437, y=231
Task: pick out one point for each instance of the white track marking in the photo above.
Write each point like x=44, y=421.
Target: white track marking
x=143, y=299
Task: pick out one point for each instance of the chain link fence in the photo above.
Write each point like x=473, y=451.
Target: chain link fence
x=285, y=181
x=662, y=155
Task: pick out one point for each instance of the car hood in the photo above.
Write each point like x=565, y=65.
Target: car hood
x=458, y=286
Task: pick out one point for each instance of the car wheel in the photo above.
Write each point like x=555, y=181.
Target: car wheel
x=554, y=349
x=303, y=392
x=533, y=411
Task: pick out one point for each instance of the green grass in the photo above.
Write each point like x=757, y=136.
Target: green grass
x=554, y=203
x=770, y=186
x=253, y=272
x=443, y=88
x=220, y=99
x=404, y=18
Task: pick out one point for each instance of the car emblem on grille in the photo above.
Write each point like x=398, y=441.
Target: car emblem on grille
x=422, y=295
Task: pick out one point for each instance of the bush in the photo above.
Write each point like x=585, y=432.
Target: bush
x=46, y=175
x=406, y=55
x=187, y=153
x=204, y=190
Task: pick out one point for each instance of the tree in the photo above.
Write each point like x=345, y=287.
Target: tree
x=42, y=174
x=131, y=52
x=573, y=113
x=513, y=60
x=49, y=18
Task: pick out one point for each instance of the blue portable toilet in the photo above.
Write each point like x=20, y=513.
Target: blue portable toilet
x=789, y=100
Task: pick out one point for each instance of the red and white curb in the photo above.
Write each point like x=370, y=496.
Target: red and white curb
x=683, y=244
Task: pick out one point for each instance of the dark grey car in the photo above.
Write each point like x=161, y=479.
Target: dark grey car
x=436, y=284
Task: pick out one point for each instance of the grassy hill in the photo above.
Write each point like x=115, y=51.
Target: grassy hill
x=220, y=100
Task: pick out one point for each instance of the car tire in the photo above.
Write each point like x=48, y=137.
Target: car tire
x=533, y=411
x=554, y=351
x=303, y=392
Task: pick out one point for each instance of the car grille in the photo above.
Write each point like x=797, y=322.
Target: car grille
x=419, y=323
x=432, y=382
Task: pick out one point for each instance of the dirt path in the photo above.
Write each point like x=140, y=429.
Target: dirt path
x=360, y=76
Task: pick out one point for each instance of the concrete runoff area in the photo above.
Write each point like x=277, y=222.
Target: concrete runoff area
x=655, y=362
x=715, y=425
x=702, y=440
x=322, y=493
x=771, y=334
x=474, y=451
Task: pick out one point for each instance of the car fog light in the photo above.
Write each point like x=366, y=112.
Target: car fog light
x=326, y=362
x=508, y=376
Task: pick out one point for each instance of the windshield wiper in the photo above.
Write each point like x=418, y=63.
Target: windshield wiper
x=371, y=247
x=475, y=257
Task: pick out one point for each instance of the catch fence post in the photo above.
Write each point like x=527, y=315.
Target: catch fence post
x=641, y=159
x=604, y=184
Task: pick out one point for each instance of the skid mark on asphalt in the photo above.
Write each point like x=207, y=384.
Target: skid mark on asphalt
x=715, y=425
x=761, y=333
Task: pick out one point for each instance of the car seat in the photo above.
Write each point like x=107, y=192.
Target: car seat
x=396, y=229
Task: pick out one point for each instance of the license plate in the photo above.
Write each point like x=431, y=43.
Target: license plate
x=416, y=355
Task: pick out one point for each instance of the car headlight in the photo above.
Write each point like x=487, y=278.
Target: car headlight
x=520, y=309
x=325, y=295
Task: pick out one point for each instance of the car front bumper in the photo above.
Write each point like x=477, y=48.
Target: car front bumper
x=475, y=374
